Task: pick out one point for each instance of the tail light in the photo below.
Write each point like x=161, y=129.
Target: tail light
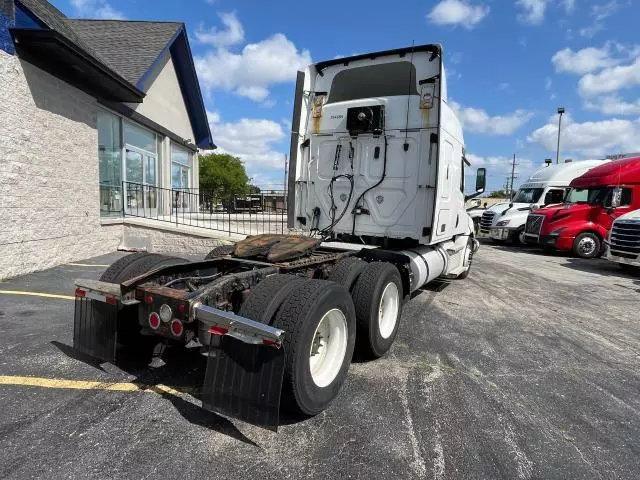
x=148, y=299
x=154, y=320
x=176, y=327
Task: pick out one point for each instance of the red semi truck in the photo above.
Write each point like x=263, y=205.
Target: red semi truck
x=596, y=199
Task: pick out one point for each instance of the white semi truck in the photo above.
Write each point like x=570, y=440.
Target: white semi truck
x=623, y=242
x=547, y=186
x=377, y=188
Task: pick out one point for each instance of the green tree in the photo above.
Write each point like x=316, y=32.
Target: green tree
x=498, y=194
x=224, y=174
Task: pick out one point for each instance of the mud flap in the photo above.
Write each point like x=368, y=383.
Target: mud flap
x=94, y=328
x=244, y=381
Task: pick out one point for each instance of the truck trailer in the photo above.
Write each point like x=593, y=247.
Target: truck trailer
x=376, y=186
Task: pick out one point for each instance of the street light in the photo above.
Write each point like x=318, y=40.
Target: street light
x=560, y=113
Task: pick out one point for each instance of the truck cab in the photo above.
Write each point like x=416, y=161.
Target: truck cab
x=623, y=243
x=547, y=186
x=583, y=222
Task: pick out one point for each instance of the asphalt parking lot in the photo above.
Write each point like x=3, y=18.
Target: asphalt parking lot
x=527, y=369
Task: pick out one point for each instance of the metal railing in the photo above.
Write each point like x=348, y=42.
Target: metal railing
x=249, y=214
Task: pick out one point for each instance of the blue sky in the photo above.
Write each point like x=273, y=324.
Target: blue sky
x=510, y=64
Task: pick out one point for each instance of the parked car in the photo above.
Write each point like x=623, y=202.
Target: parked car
x=583, y=222
x=547, y=186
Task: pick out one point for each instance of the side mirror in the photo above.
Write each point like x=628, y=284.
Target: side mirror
x=481, y=180
x=616, y=197
x=481, y=183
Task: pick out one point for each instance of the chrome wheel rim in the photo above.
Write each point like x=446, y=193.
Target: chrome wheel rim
x=586, y=246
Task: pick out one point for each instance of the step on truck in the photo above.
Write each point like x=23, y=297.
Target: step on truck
x=376, y=186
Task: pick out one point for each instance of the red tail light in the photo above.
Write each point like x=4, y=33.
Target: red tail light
x=80, y=292
x=217, y=330
x=111, y=300
x=182, y=308
x=176, y=327
x=148, y=299
x=154, y=320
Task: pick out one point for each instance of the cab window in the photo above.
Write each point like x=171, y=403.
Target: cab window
x=555, y=195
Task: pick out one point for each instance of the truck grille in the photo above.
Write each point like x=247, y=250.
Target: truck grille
x=625, y=238
x=534, y=224
x=487, y=220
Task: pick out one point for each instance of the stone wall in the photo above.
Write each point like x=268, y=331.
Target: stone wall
x=49, y=199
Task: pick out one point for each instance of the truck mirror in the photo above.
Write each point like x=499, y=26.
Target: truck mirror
x=616, y=197
x=481, y=179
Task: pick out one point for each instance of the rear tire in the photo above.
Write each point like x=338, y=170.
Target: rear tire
x=379, y=286
x=319, y=320
x=587, y=245
x=266, y=298
x=347, y=271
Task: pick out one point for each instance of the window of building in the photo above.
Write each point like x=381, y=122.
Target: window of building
x=181, y=164
x=141, y=166
x=110, y=163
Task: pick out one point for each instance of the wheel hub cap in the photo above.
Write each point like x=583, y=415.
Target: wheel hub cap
x=587, y=246
x=388, y=310
x=328, y=347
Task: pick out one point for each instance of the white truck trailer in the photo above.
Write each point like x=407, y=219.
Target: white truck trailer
x=547, y=186
x=376, y=186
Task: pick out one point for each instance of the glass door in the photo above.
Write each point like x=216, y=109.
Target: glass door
x=140, y=182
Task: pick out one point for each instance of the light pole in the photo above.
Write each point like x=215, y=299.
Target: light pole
x=560, y=113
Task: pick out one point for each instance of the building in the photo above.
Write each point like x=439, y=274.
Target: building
x=97, y=117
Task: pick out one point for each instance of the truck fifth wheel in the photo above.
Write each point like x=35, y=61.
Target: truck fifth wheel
x=377, y=186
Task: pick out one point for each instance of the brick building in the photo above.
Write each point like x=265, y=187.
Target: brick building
x=95, y=117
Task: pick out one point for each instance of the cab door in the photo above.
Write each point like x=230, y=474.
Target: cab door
x=606, y=215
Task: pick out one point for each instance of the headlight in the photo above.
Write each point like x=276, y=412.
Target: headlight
x=502, y=223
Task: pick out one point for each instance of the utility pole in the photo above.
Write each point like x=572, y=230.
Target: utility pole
x=513, y=173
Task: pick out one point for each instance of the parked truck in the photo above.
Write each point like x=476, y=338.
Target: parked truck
x=596, y=199
x=623, y=242
x=547, y=186
x=377, y=186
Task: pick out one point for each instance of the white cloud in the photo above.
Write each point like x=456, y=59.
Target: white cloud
x=532, y=11
x=613, y=105
x=548, y=83
x=583, y=61
x=610, y=79
x=477, y=120
x=251, y=139
x=250, y=72
x=232, y=34
x=593, y=139
x=504, y=86
x=599, y=13
x=99, y=9
x=457, y=13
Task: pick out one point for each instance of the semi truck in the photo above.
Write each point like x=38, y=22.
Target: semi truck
x=623, y=242
x=376, y=186
x=596, y=199
x=547, y=186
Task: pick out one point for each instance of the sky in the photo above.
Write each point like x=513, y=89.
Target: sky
x=510, y=65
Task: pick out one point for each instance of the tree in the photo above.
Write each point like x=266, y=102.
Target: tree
x=498, y=194
x=224, y=174
x=254, y=189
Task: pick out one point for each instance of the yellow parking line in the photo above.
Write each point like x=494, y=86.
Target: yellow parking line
x=37, y=294
x=87, y=265
x=87, y=385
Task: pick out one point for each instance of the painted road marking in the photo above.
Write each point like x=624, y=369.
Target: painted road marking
x=87, y=265
x=37, y=294
x=90, y=385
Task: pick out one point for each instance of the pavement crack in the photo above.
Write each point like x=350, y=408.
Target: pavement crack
x=418, y=463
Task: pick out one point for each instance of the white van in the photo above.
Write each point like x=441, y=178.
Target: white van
x=547, y=186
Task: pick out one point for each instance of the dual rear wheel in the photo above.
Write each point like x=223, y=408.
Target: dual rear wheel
x=321, y=318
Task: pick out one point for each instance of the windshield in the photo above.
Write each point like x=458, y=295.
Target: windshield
x=592, y=196
x=528, y=195
x=384, y=80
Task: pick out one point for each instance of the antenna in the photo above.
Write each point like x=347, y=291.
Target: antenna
x=406, y=125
